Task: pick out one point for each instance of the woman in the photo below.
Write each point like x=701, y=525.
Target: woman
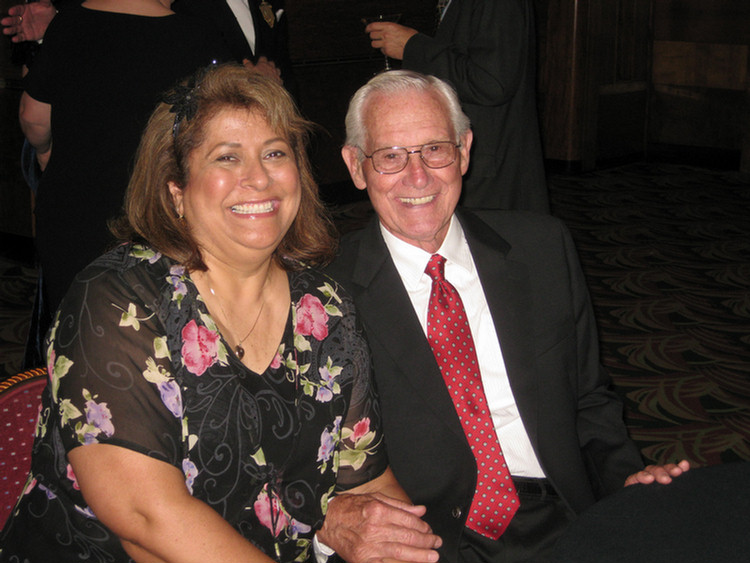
x=207, y=387
x=87, y=98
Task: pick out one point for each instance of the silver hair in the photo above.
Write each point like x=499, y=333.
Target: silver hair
x=401, y=81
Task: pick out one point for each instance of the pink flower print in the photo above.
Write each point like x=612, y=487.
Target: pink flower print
x=312, y=318
x=360, y=429
x=269, y=512
x=276, y=362
x=98, y=415
x=51, y=363
x=72, y=477
x=30, y=487
x=200, y=347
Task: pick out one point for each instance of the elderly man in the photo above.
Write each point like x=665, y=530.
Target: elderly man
x=487, y=50
x=498, y=415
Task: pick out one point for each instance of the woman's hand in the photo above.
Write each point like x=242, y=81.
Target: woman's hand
x=368, y=524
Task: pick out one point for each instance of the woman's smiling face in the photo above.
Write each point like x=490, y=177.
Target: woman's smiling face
x=243, y=190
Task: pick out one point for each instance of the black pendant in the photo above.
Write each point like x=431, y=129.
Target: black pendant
x=240, y=351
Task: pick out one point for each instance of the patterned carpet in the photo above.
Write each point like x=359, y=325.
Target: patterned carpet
x=666, y=251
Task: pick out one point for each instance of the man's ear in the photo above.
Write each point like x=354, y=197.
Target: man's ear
x=176, y=192
x=466, y=140
x=351, y=158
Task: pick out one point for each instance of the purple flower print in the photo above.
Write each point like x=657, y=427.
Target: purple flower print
x=87, y=512
x=50, y=495
x=325, y=391
x=312, y=318
x=191, y=472
x=200, y=347
x=171, y=396
x=328, y=440
x=176, y=276
x=98, y=415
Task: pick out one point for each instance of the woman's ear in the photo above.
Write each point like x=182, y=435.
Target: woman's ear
x=176, y=192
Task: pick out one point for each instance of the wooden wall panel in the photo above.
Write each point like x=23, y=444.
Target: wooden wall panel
x=699, y=117
x=594, y=58
x=561, y=29
x=701, y=75
x=702, y=21
x=707, y=65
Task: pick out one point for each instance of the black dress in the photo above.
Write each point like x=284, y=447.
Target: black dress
x=103, y=74
x=137, y=361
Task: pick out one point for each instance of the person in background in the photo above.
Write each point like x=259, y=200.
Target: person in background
x=254, y=33
x=486, y=49
x=210, y=391
x=498, y=415
x=97, y=77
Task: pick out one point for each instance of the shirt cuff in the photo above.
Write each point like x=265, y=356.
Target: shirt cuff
x=322, y=551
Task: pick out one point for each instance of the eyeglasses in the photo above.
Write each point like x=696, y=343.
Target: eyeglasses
x=392, y=160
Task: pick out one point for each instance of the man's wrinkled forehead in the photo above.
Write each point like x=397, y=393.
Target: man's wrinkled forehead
x=386, y=113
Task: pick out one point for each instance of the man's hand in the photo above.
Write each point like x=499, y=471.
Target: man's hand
x=264, y=66
x=658, y=473
x=373, y=527
x=28, y=22
x=390, y=38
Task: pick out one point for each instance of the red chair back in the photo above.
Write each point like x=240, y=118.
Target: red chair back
x=20, y=400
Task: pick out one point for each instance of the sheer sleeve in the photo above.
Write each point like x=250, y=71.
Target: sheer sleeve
x=111, y=380
x=362, y=449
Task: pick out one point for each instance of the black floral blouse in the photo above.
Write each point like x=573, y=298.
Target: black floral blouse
x=136, y=360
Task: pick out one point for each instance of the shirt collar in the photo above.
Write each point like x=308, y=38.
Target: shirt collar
x=411, y=261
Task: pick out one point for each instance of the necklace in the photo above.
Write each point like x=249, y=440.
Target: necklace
x=239, y=350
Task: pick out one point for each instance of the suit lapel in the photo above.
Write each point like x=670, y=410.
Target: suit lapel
x=393, y=322
x=505, y=283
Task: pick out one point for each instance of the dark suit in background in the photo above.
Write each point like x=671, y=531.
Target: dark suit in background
x=270, y=41
x=486, y=49
x=540, y=305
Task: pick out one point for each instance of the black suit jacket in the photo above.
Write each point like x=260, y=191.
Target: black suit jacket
x=486, y=49
x=270, y=42
x=541, y=309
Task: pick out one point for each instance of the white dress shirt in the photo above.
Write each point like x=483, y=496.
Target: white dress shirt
x=241, y=11
x=460, y=270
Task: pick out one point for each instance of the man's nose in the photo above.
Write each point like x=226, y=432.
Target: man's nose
x=416, y=172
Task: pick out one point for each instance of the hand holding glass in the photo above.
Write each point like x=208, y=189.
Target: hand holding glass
x=382, y=18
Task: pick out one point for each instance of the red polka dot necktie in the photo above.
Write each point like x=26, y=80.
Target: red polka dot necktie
x=495, y=500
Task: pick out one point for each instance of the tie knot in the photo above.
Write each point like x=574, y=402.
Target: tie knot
x=436, y=267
